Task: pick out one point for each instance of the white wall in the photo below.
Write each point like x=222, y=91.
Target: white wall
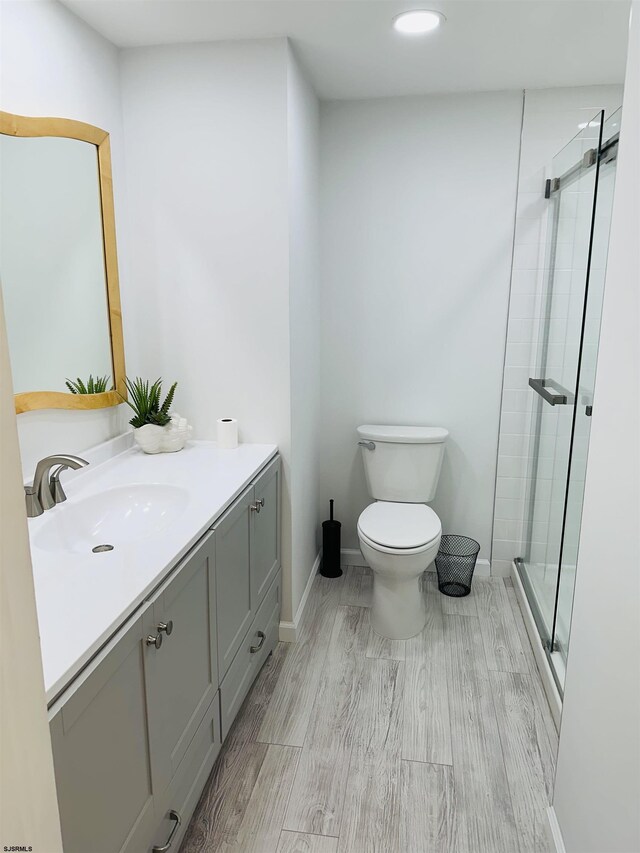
x=304, y=307
x=52, y=64
x=206, y=136
x=551, y=119
x=418, y=200
x=28, y=804
x=597, y=788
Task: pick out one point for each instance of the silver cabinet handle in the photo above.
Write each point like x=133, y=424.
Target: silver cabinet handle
x=154, y=641
x=370, y=445
x=260, y=502
x=167, y=627
x=256, y=507
x=540, y=386
x=173, y=815
x=262, y=637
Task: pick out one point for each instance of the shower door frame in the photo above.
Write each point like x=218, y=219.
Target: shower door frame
x=592, y=158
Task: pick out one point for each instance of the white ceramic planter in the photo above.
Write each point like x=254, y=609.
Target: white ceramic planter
x=163, y=439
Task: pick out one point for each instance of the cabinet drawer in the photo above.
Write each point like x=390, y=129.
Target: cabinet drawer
x=186, y=786
x=247, y=663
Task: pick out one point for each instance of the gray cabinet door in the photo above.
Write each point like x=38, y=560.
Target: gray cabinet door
x=101, y=752
x=233, y=593
x=265, y=534
x=182, y=675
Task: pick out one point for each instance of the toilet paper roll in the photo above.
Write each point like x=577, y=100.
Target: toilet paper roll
x=227, y=433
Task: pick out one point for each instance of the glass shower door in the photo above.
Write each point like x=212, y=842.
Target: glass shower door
x=601, y=225
x=561, y=386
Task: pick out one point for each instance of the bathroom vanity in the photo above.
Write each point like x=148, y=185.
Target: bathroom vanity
x=149, y=649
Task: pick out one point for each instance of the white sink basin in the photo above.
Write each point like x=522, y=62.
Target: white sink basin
x=115, y=517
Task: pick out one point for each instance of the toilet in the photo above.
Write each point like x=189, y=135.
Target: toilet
x=399, y=534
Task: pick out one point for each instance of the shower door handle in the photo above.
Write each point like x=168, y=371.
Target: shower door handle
x=540, y=386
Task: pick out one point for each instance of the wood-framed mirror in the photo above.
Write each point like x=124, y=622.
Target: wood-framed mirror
x=58, y=264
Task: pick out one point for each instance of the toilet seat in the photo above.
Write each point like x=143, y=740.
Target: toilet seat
x=405, y=528
x=383, y=549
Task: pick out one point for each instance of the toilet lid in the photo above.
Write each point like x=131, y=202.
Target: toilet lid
x=399, y=525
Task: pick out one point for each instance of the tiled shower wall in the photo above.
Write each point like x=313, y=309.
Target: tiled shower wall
x=551, y=119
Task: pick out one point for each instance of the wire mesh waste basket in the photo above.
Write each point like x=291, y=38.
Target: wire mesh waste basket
x=455, y=562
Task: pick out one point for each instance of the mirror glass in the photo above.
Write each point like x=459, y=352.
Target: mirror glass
x=52, y=267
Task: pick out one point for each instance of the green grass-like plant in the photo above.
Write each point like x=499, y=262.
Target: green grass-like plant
x=144, y=399
x=91, y=386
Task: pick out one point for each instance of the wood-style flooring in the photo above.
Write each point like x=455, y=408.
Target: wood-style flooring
x=350, y=743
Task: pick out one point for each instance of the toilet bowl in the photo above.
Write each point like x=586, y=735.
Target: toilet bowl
x=399, y=541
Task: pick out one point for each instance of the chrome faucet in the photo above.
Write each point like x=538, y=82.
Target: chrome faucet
x=46, y=490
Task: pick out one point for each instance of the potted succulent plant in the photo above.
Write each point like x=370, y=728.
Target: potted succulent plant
x=155, y=428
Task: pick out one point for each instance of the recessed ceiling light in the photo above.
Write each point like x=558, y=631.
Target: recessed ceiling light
x=417, y=22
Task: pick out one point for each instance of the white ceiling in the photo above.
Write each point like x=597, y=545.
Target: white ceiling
x=350, y=50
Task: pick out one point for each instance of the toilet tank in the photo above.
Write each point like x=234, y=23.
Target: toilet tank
x=402, y=463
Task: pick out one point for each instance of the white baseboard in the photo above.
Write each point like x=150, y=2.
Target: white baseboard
x=553, y=831
x=548, y=681
x=288, y=631
x=353, y=557
x=482, y=569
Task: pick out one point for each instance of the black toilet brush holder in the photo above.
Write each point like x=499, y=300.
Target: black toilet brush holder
x=330, y=567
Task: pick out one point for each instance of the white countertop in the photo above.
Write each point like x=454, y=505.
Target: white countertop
x=82, y=599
